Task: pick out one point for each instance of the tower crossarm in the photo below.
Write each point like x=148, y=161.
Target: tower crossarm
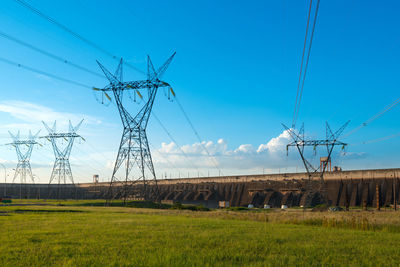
x=68, y=137
x=316, y=143
x=118, y=88
x=61, y=135
x=134, y=85
x=21, y=154
x=26, y=142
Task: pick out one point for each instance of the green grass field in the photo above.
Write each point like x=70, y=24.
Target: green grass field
x=124, y=236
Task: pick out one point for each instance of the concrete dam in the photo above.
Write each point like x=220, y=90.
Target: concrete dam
x=372, y=188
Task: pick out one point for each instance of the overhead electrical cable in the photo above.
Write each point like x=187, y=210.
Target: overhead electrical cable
x=374, y=117
x=89, y=158
x=41, y=51
x=44, y=73
x=163, y=156
x=307, y=60
x=76, y=35
x=302, y=74
x=158, y=152
x=76, y=158
x=301, y=65
x=212, y=159
x=98, y=151
x=176, y=143
x=377, y=140
x=107, y=159
x=51, y=163
x=382, y=139
x=171, y=137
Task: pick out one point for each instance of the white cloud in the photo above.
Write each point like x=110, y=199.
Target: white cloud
x=245, y=149
x=276, y=144
x=271, y=154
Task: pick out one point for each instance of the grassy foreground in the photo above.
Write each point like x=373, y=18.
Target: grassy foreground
x=118, y=236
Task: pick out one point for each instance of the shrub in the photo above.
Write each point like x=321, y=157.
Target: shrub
x=237, y=208
x=179, y=206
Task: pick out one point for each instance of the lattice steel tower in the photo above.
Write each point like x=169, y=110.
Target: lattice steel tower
x=134, y=148
x=330, y=142
x=23, y=168
x=62, y=169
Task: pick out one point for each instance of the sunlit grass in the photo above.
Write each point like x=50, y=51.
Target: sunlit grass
x=82, y=236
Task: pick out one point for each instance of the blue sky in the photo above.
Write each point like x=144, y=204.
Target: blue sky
x=235, y=73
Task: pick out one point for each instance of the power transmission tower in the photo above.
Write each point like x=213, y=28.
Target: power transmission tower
x=300, y=143
x=330, y=142
x=62, y=169
x=134, y=147
x=24, y=150
x=23, y=168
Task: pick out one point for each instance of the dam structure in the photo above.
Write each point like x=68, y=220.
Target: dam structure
x=366, y=188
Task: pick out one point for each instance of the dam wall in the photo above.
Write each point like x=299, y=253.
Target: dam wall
x=338, y=175
x=343, y=188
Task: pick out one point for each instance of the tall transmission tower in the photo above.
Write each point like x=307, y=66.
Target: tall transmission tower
x=134, y=147
x=330, y=142
x=62, y=169
x=24, y=150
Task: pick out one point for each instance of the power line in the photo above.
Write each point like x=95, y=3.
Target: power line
x=85, y=160
x=213, y=160
x=300, y=94
x=9, y=37
x=173, y=140
x=76, y=35
x=377, y=140
x=374, y=117
x=89, y=159
x=43, y=73
x=97, y=151
x=108, y=159
x=301, y=65
x=308, y=57
x=74, y=158
x=163, y=156
x=51, y=161
x=102, y=166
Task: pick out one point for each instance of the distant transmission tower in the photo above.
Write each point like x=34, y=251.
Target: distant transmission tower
x=330, y=142
x=24, y=151
x=62, y=169
x=134, y=147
